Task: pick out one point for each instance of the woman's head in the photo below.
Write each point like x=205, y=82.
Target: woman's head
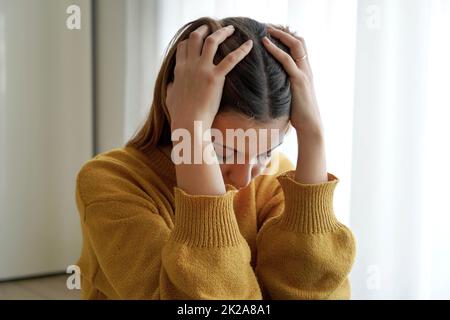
x=256, y=90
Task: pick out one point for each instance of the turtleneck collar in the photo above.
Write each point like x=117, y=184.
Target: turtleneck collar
x=158, y=161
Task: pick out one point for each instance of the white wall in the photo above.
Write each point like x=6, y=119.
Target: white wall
x=45, y=133
x=126, y=67
x=110, y=73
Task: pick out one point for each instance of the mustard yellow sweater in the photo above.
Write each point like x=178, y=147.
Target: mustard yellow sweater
x=144, y=238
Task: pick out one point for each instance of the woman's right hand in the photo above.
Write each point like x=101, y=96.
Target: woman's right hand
x=196, y=91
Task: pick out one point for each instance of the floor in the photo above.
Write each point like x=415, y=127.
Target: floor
x=44, y=288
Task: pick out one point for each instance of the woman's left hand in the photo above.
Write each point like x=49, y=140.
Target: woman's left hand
x=305, y=115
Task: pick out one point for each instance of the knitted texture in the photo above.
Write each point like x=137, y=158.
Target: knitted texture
x=145, y=238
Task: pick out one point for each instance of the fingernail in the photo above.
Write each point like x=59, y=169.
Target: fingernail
x=230, y=27
x=248, y=42
x=266, y=40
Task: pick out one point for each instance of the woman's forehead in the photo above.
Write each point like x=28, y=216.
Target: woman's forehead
x=244, y=135
x=234, y=120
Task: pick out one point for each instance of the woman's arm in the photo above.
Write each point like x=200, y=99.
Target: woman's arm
x=311, y=164
x=198, y=179
x=305, y=114
x=300, y=227
x=206, y=257
x=195, y=95
x=304, y=252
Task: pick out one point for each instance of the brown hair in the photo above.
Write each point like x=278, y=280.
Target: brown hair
x=258, y=85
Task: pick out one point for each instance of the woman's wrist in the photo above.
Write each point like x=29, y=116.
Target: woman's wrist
x=311, y=161
x=312, y=131
x=198, y=171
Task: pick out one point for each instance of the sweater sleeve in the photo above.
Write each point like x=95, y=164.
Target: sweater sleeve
x=202, y=256
x=207, y=257
x=304, y=252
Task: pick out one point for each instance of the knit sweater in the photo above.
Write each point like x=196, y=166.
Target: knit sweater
x=145, y=238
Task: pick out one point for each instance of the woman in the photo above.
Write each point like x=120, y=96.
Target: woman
x=156, y=229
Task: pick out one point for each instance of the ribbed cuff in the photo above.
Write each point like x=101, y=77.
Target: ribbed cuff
x=205, y=220
x=308, y=207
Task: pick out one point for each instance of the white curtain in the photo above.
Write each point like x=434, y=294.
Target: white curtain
x=398, y=208
x=382, y=74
